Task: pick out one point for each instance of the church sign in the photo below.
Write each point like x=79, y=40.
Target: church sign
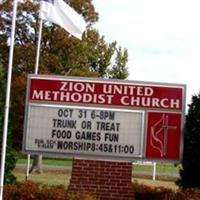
x=103, y=119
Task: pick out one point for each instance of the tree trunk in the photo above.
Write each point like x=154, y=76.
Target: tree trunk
x=37, y=164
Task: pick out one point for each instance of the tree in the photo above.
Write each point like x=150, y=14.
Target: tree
x=60, y=53
x=10, y=154
x=190, y=173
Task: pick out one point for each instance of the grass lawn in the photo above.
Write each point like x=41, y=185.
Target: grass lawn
x=49, y=161
x=47, y=177
x=160, y=167
x=61, y=178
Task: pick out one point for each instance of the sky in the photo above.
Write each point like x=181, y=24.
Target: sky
x=162, y=38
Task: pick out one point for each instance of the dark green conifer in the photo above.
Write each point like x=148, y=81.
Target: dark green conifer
x=190, y=170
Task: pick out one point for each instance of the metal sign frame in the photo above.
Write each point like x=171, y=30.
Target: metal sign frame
x=117, y=108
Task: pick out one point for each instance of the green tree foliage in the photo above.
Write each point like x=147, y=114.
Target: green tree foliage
x=190, y=171
x=10, y=155
x=60, y=53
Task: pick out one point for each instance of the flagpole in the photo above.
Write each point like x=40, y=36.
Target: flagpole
x=38, y=47
x=7, y=103
x=36, y=72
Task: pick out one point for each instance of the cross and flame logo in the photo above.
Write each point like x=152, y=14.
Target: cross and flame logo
x=159, y=134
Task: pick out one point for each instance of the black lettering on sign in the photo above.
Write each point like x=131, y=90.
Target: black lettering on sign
x=86, y=125
x=106, y=148
x=75, y=146
x=111, y=137
x=87, y=135
x=48, y=144
x=124, y=149
x=103, y=115
x=64, y=123
x=82, y=114
x=65, y=112
x=57, y=133
x=108, y=126
x=107, y=115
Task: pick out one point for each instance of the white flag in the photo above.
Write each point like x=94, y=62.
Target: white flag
x=58, y=12
x=2, y=1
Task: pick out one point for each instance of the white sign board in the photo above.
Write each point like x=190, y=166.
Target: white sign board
x=89, y=131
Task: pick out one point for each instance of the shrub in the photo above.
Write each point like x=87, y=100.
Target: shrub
x=143, y=192
x=79, y=196
x=28, y=190
x=52, y=193
x=22, y=190
x=191, y=194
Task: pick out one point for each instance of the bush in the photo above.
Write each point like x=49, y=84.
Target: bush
x=52, y=193
x=22, y=190
x=143, y=192
x=28, y=190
